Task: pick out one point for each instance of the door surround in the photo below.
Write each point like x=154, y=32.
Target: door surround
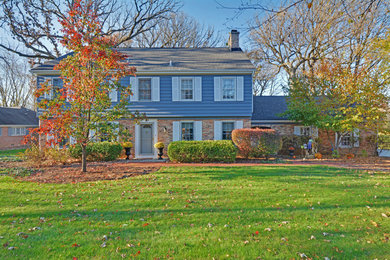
x=137, y=138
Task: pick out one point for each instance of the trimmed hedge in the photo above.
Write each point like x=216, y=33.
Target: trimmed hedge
x=101, y=151
x=202, y=151
x=257, y=143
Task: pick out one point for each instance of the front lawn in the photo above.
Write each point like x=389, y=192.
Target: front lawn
x=201, y=212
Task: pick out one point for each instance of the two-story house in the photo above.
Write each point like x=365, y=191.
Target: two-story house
x=186, y=93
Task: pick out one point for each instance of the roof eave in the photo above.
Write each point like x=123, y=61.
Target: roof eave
x=44, y=72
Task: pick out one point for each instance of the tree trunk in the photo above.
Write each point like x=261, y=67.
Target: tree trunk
x=84, y=158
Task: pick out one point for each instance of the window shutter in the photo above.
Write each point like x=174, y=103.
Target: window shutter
x=175, y=89
x=134, y=88
x=156, y=89
x=198, y=130
x=49, y=95
x=114, y=95
x=314, y=131
x=217, y=130
x=297, y=130
x=356, y=135
x=10, y=131
x=239, y=124
x=176, y=132
x=240, y=88
x=1, y=131
x=198, y=88
x=217, y=89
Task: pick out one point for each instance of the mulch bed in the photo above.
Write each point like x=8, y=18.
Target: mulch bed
x=124, y=169
x=95, y=172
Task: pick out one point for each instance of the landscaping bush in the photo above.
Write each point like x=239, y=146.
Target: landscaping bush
x=39, y=156
x=202, y=151
x=101, y=151
x=257, y=142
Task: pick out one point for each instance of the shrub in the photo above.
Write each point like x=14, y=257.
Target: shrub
x=257, y=142
x=202, y=151
x=101, y=151
x=38, y=156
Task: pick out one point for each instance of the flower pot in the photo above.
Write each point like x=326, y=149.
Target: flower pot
x=128, y=153
x=160, y=153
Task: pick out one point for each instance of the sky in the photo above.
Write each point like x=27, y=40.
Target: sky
x=213, y=13
x=224, y=16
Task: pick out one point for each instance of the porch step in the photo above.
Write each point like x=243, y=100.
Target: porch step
x=146, y=160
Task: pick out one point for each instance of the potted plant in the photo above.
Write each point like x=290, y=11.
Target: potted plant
x=127, y=146
x=291, y=150
x=160, y=146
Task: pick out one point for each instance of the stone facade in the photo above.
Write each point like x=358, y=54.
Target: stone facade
x=10, y=142
x=366, y=145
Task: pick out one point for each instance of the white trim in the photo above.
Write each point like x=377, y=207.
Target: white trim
x=271, y=121
x=155, y=89
x=235, y=88
x=26, y=126
x=137, y=136
x=193, y=88
x=165, y=72
x=151, y=90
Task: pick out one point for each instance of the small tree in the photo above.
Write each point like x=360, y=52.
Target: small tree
x=82, y=106
x=339, y=99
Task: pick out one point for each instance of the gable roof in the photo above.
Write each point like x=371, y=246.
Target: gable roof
x=269, y=108
x=18, y=116
x=177, y=59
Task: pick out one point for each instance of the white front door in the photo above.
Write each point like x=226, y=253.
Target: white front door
x=145, y=137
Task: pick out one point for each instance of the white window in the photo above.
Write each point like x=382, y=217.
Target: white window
x=55, y=84
x=145, y=88
x=187, y=130
x=186, y=89
x=228, y=88
x=113, y=95
x=227, y=129
x=16, y=131
x=223, y=129
x=349, y=140
x=306, y=131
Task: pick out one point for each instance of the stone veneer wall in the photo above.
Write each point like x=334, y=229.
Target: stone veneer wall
x=325, y=146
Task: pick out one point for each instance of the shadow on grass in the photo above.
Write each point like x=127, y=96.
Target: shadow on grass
x=230, y=173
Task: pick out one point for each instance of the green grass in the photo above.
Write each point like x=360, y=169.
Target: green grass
x=11, y=155
x=201, y=212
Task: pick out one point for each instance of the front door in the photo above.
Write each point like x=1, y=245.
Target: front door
x=146, y=139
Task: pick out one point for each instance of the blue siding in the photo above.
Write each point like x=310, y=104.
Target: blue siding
x=206, y=108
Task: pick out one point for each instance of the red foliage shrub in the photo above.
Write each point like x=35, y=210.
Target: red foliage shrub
x=256, y=142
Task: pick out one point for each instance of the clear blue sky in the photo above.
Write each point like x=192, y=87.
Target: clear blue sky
x=210, y=12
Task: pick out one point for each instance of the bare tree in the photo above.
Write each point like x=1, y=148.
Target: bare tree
x=295, y=39
x=30, y=27
x=265, y=81
x=179, y=30
x=16, y=83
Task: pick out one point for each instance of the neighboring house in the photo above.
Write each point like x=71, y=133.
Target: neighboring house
x=186, y=93
x=14, y=125
x=267, y=112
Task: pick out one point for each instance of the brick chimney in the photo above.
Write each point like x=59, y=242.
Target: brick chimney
x=234, y=41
